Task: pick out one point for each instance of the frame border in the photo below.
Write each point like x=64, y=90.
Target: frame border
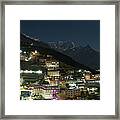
x=60, y=2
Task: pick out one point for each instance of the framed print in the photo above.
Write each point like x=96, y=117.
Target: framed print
x=60, y=59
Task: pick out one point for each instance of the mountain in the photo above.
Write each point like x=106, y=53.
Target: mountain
x=63, y=45
x=83, y=55
x=28, y=43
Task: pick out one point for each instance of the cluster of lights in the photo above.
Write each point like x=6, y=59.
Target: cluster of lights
x=23, y=52
x=30, y=71
x=35, y=52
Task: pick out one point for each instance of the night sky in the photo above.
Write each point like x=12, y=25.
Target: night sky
x=87, y=31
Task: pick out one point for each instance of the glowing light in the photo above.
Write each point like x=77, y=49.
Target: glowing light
x=31, y=44
x=20, y=51
x=35, y=51
x=30, y=71
x=21, y=71
x=29, y=58
x=39, y=71
x=26, y=60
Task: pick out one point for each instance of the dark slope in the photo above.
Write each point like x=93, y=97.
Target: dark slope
x=33, y=44
x=83, y=55
x=86, y=56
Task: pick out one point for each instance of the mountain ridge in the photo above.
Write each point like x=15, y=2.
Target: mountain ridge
x=83, y=54
x=31, y=44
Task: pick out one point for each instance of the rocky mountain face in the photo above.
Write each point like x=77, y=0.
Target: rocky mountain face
x=82, y=54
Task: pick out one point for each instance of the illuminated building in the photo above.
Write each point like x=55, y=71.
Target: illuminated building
x=29, y=76
x=97, y=76
x=47, y=92
x=88, y=75
x=72, y=93
x=34, y=55
x=53, y=73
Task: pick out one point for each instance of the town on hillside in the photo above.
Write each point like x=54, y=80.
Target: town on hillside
x=47, y=74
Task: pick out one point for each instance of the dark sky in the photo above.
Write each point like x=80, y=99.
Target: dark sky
x=87, y=31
